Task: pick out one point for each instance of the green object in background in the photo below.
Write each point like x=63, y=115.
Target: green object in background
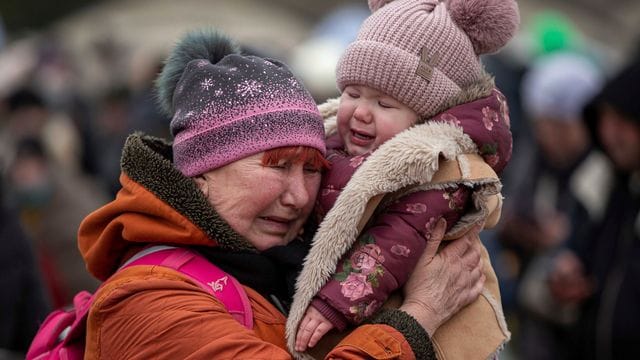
x=553, y=31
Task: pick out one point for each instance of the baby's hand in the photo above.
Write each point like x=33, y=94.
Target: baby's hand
x=312, y=328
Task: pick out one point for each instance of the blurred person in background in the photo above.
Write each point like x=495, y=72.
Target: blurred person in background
x=56, y=77
x=545, y=33
x=51, y=203
x=24, y=302
x=113, y=122
x=25, y=116
x=600, y=272
x=47, y=188
x=145, y=115
x=556, y=199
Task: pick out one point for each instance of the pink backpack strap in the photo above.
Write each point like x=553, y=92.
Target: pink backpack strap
x=209, y=277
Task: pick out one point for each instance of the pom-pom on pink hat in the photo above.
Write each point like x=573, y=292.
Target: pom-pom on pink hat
x=425, y=52
x=226, y=106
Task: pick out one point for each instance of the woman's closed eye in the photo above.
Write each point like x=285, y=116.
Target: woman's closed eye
x=310, y=169
x=282, y=165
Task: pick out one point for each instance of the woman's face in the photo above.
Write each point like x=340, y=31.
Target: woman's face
x=268, y=205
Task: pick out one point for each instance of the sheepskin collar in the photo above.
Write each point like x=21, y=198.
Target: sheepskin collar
x=407, y=161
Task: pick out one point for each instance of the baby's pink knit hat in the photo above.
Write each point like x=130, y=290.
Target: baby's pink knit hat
x=424, y=52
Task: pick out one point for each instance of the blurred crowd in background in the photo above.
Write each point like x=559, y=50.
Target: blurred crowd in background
x=71, y=91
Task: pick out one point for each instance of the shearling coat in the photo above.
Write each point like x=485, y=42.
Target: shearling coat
x=445, y=167
x=151, y=312
x=388, y=249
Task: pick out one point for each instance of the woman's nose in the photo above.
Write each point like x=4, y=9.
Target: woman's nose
x=296, y=194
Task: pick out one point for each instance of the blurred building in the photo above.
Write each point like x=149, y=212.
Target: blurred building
x=112, y=40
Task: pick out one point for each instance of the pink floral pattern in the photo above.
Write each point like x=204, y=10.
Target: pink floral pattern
x=504, y=107
x=455, y=197
x=450, y=118
x=366, y=258
x=400, y=250
x=429, y=227
x=492, y=160
x=328, y=190
x=356, y=286
x=489, y=116
x=360, y=273
x=416, y=208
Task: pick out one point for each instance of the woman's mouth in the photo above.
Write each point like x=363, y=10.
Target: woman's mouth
x=277, y=224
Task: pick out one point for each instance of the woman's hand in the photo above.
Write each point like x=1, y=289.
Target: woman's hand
x=444, y=282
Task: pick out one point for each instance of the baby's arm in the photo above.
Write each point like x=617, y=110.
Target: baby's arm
x=385, y=254
x=312, y=328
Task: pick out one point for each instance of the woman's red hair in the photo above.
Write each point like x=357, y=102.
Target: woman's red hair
x=296, y=154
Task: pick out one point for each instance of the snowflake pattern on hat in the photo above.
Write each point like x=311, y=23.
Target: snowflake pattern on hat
x=240, y=106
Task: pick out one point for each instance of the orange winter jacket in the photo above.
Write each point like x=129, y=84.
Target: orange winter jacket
x=152, y=312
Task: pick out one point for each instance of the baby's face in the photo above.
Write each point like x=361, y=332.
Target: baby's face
x=368, y=117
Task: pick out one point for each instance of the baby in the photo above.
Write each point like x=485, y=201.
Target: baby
x=414, y=71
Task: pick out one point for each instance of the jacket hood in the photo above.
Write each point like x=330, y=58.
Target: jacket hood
x=156, y=204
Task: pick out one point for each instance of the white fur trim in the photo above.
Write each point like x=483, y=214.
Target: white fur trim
x=409, y=158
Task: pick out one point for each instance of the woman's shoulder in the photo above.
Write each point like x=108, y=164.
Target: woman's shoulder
x=146, y=288
x=143, y=301
x=141, y=286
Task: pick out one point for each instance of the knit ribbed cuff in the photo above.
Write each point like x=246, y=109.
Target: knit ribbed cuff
x=412, y=331
x=334, y=316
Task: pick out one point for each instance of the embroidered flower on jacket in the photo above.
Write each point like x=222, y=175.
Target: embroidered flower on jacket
x=429, y=228
x=400, y=250
x=489, y=116
x=328, y=190
x=455, y=197
x=361, y=272
x=492, y=160
x=365, y=258
x=416, y=208
x=504, y=107
x=450, y=118
x=355, y=286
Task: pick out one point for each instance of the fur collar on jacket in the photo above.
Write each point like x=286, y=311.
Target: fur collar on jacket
x=156, y=204
x=408, y=160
